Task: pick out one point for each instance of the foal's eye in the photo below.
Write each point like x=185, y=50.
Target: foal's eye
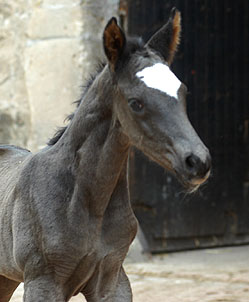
x=136, y=105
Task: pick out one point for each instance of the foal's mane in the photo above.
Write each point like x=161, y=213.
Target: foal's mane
x=133, y=45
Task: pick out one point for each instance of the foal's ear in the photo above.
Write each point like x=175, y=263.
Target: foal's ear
x=166, y=39
x=114, y=42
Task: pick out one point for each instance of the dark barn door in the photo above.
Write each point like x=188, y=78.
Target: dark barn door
x=213, y=61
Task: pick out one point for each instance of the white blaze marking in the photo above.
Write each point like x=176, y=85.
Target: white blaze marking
x=160, y=77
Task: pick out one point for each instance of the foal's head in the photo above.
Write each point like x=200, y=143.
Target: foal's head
x=150, y=101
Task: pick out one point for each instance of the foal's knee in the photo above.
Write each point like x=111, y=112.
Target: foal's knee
x=42, y=289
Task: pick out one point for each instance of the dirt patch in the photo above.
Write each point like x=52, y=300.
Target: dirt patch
x=218, y=275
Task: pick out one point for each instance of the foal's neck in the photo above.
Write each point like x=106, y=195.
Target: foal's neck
x=96, y=145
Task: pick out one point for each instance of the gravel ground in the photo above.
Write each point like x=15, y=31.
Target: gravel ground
x=213, y=275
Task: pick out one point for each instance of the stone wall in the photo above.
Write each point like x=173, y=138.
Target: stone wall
x=47, y=49
x=14, y=107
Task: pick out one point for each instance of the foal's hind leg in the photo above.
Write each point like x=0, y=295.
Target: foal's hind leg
x=7, y=288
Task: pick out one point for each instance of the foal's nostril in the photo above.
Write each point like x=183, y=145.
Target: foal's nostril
x=191, y=161
x=196, y=167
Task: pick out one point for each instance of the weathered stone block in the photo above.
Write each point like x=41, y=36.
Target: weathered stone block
x=14, y=108
x=4, y=71
x=46, y=48
x=60, y=3
x=6, y=124
x=14, y=113
x=54, y=23
x=53, y=81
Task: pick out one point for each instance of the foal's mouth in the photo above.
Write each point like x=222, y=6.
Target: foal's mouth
x=192, y=185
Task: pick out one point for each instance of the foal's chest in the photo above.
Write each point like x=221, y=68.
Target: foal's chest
x=100, y=254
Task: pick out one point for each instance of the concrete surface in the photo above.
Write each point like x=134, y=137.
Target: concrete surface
x=211, y=275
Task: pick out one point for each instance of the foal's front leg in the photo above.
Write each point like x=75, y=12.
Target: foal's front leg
x=43, y=289
x=123, y=291
x=115, y=289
